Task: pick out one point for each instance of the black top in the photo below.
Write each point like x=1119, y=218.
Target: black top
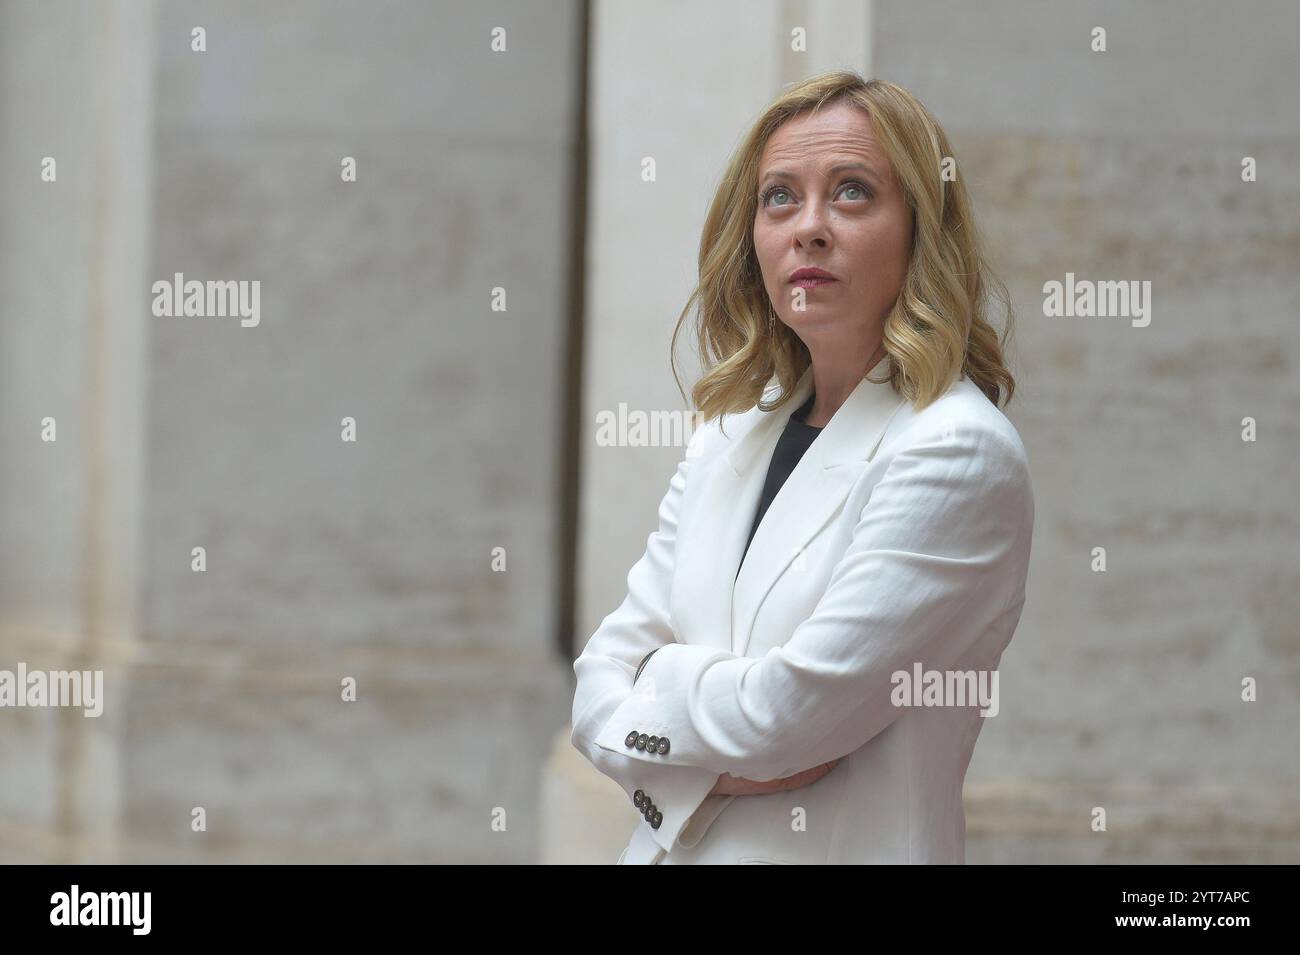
x=790, y=447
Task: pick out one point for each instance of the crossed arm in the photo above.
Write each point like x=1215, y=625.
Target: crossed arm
x=939, y=551
x=606, y=668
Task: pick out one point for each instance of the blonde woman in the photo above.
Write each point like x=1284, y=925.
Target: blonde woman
x=798, y=671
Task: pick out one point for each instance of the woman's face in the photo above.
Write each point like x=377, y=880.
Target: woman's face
x=850, y=222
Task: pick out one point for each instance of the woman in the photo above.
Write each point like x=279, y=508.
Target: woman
x=860, y=528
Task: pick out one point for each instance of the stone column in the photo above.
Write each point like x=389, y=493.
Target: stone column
x=76, y=87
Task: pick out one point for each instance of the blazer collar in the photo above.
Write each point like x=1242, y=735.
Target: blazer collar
x=810, y=497
x=852, y=434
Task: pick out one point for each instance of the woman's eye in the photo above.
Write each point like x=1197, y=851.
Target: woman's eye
x=854, y=191
x=863, y=191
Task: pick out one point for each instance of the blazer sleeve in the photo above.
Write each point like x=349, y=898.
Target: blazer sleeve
x=607, y=665
x=938, y=553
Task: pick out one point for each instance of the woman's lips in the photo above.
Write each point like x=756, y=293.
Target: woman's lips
x=811, y=282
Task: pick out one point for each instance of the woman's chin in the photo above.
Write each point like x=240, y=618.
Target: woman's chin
x=814, y=318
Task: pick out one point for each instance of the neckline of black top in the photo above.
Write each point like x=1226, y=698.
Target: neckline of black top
x=797, y=437
x=801, y=413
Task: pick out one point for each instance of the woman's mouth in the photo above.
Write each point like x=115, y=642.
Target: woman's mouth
x=810, y=277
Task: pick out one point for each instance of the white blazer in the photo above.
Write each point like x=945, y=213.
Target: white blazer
x=900, y=538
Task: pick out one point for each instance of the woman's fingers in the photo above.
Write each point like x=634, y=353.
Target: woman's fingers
x=808, y=776
x=740, y=786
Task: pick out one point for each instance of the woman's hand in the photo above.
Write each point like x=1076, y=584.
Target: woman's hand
x=729, y=785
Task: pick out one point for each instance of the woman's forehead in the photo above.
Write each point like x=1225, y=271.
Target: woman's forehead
x=842, y=132
x=824, y=154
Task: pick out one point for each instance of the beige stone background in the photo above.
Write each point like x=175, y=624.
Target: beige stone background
x=521, y=170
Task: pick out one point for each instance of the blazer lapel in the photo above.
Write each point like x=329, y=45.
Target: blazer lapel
x=725, y=495
x=811, y=495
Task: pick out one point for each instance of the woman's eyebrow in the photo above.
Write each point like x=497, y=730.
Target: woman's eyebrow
x=838, y=167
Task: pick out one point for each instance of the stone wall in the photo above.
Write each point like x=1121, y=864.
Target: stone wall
x=326, y=559
x=1122, y=689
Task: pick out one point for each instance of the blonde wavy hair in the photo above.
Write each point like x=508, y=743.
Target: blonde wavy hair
x=937, y=328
